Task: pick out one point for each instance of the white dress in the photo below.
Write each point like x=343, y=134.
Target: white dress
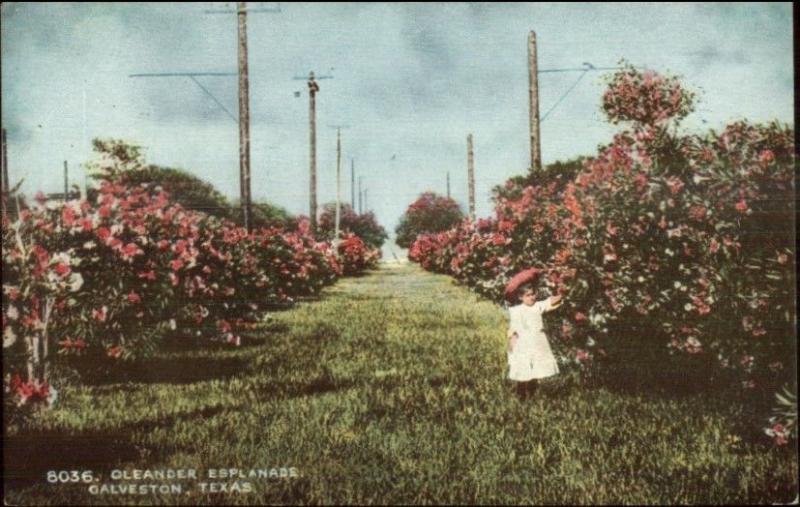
x=531, y=357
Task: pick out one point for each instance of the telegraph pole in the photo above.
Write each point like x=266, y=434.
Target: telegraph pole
x=244, y=109
x=352, y=184
x=66, y=182
x=244, y=119
x=448, y=184
x=359, y=195
x=5, y=189
x=471, y=177
x=338, y=183
x=313, y=88
x=533, y=92
x=338, y=177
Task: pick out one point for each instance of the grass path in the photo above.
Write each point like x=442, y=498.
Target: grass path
x=391, y=389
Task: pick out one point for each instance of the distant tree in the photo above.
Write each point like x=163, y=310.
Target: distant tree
x=365, y=226
x=123, y=163
x=266, y=214
x=429, y=213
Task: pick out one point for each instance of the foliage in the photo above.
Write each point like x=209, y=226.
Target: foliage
x=682, y=241
x=111, y=279
x=390, y=390
x=265, y=214
x=355, y=255
x=430, y=213
x=363, y=225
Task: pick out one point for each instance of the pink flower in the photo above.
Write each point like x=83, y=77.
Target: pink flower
x=675, y=185
x=62, y=269
x=742, y=206
x=67, y=216
x=134, y=297
x=766, y=156
x=130, y=250
x=176, y=264
x=148, y=275
x=100, y=314
x=103, y=233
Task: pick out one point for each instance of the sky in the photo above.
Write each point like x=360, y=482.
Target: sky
x=410, y=81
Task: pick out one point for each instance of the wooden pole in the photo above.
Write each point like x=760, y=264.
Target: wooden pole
x=5, y=186
x=338, y=181
x=66, y=182
x=359, y=195
x=313, y=88
x=471, y=177
x=244, y=120
x=448, y=184
x=352, y=184
x=533, y=91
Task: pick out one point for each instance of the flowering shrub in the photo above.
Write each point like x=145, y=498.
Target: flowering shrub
x=355, y=256
x=363, y=225
x=685, y=241
x=430, y=213
x=111, y=277
x=114, y=275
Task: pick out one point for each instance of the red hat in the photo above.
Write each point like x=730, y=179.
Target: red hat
x=523, y=277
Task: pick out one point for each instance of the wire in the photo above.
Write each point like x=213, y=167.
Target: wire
x=565, y=94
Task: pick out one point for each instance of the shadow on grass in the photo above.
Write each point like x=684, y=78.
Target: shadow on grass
x=164, y=370
x=28, y=457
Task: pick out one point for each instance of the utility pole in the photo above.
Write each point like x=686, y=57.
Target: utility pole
x=471, y=177
x=448, y=184
x=533, y=92
x=313, y=88
x=6, y=198
x=352, y=184
x=244, y=119
x=338, y=179
x=359, y=195
x=244, y=110
x=66, y=182
x=338, y=183
x=366, y=208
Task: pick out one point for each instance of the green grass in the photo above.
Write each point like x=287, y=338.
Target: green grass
x=392, y=389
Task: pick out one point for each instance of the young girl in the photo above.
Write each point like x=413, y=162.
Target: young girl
x=529, y=356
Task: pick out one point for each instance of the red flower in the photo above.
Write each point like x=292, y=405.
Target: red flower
x=103, y=233
x=766, y=156
x=62, y=269
x=742, y=206
x=67, y=216
x=114, y=352
x=99, y=314
x=148, y=275
x=134, y=297
x=176, y=264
